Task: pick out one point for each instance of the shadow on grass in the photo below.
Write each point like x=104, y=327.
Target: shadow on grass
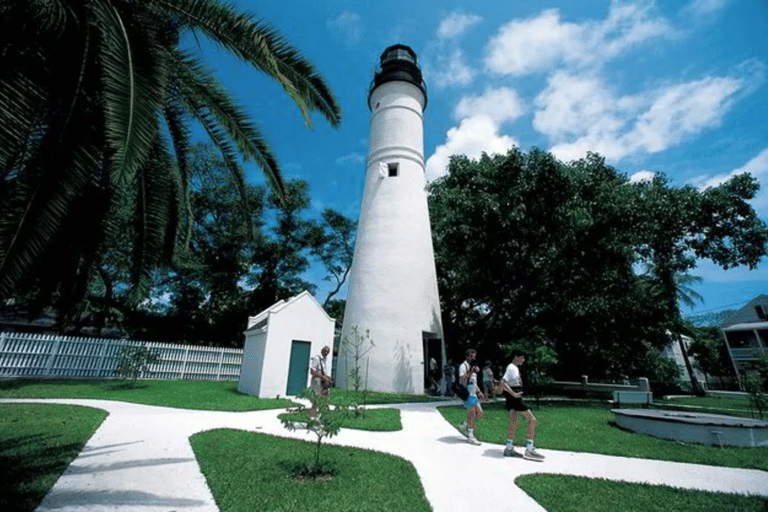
x=24, y=461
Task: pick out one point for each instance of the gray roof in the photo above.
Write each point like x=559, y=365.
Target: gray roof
x=747, y=314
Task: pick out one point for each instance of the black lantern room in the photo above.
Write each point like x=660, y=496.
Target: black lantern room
x=398, y=63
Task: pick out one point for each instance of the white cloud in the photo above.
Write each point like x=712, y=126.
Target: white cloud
x=539, y=43
x=704, y=7
x=455, y=71
x=584, y=108
x=472, y=137
x=501, y=105
x=641, y=176
x=455, y=24
x=347, y=23
x=683, y=110
x=351, y=158
x=757, y=167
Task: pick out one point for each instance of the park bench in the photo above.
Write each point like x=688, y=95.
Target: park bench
x=632, y=397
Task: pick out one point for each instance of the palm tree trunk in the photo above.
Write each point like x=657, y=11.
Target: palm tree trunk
x=695, y=385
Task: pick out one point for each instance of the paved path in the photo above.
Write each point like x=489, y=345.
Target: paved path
x=140, y=460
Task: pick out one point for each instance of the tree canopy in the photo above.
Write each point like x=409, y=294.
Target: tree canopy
x=536, y=252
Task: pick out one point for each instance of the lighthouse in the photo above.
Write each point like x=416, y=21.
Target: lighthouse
x=393, y=284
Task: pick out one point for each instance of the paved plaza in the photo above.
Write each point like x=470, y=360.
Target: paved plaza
x=140, y=460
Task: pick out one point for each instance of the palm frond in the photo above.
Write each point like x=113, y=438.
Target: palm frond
x=174, y=115
x=261, y=46
x=224, y=120
x=132, y=82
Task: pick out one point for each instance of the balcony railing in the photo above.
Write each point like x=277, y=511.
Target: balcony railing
x=748, y=354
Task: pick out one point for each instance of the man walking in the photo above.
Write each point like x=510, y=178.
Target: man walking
x=468, y=377
x=512, y=386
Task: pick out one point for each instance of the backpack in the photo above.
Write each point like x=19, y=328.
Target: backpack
x=459, y=389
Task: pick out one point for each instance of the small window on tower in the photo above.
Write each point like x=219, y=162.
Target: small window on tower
x=392, y=169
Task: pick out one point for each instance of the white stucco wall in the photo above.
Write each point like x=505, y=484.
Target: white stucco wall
x=300, y=318
x=392, y=283
x=253, y=355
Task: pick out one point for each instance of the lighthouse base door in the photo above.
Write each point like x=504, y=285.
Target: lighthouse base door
x=298, y=371
x=433, y=349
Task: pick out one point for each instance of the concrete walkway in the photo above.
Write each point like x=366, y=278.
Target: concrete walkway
x=140, y=460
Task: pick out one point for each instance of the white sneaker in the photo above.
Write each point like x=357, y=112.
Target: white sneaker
x=463, y=428
x=472, y=440
x=533, y=455
x=511, y=452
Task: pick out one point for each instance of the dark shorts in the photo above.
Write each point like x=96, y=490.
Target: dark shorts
x=516, y=404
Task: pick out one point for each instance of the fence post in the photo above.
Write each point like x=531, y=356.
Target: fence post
x=52, y=356
x=221, y=360
x=184, y=365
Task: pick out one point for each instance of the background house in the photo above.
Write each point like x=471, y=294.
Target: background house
x=278, y=344
x=746, y=333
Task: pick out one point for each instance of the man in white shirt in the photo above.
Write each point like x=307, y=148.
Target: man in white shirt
x=512, y=386
x=320, y=382
x=468, y=376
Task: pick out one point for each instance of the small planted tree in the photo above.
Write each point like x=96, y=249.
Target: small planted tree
x=355, y=347
x=135, y=359
x=321, y=419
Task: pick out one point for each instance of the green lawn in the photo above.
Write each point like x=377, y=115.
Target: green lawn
x=37, y=443
x=248, y=471
x=185, y=394
x=569, y=493
x=348, y=397
x=376, y=420
x=592, y=429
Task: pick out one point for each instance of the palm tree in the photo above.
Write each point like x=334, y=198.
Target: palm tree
x=97, y=98
x=671, y=288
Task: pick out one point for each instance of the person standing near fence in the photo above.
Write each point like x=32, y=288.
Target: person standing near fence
x=512, y=386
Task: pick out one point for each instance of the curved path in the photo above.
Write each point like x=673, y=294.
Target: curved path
x=140, y=460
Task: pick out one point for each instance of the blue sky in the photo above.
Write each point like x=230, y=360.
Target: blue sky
x=673, y=87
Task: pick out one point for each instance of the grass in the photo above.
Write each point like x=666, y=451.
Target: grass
x=375, y=420
x=185, y=394
x=247, y=471
x=349, y=397
x=568, y=493
x=592, y=429
x=37, y=443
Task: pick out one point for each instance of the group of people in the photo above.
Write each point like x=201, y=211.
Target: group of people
x=511, y=387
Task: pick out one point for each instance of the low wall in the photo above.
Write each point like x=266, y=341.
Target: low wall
x=586, y=386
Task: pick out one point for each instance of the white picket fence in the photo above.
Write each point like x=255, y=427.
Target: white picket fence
x=24, y=355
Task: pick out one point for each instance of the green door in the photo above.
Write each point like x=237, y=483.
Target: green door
x=298, y=371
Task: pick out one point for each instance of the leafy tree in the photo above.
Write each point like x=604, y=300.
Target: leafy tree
x=321, y=419
x=97, y=101
x=528, y=249
x=353, y=348
x=134, y=360
x=336, y=248
x=683, y=224
x=709, y=351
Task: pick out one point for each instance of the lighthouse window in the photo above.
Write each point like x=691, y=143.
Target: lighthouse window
x=392, y=169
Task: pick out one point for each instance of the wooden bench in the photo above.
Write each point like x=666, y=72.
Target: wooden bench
x=632, y=397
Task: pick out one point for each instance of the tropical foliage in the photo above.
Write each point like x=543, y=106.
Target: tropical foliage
x=97, y=103
x=533, y=251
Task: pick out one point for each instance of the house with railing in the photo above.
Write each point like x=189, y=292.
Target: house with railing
x=746, y=333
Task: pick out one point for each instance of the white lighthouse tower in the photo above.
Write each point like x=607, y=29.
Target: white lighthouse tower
x=393, y=283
